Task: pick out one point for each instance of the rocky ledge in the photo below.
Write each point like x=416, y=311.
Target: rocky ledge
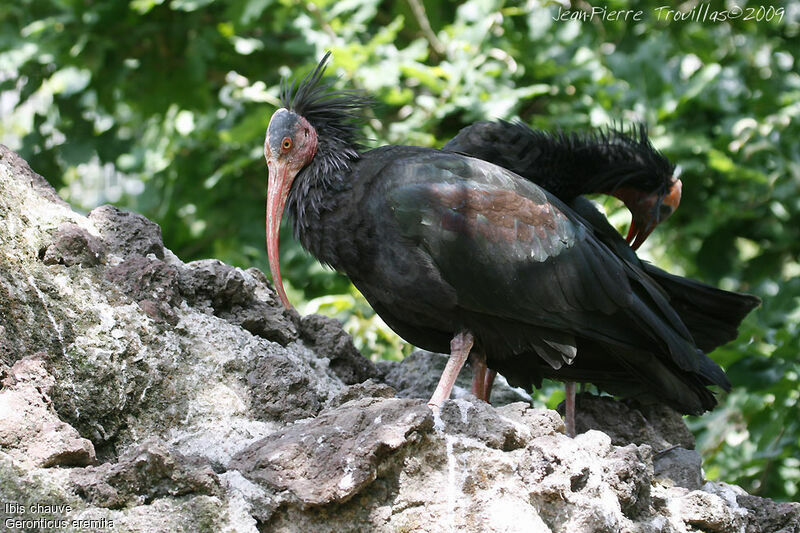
x=141, y=393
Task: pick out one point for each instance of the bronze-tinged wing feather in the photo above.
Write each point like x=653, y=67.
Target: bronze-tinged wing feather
x=508, y=248
x=506, y=221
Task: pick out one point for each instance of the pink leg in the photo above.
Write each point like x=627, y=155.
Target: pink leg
x=569, y=407
x=459, y=350
x=490, y=375
x=479, y=376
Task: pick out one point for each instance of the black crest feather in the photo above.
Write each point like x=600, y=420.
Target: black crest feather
x=337, y=116
x=619, y=156
x=334, y=113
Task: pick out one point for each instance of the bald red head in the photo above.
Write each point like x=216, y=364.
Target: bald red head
x=290, y=145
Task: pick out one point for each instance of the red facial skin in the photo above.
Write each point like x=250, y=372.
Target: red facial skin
x=646, y=213
x=293, y=150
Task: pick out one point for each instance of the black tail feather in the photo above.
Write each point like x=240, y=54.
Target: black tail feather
x=712, y=315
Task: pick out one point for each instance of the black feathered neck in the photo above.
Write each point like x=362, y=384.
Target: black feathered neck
x=337, y=117
x=600, y=161
x=570, y=164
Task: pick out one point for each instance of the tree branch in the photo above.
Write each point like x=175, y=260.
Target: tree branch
x=422, y=19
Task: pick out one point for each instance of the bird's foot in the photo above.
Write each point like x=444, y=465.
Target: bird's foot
x=460, y=347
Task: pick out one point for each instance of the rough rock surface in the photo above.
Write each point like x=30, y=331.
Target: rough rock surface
x=140, y=393
x=141, y=475
x=30, y=429
x=629, y=421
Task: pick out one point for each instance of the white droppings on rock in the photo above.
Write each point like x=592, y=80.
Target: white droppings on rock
x=510, y=513
x=56, y=327
x=347, y=482
x=525, y=395
x=460, y=392
x=114, y=259
x=438, y=423
x=594, y=440
x=463, y=408
x=452, y=489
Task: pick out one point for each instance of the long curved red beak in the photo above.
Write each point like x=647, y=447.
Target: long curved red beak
x=280, y=181
x=645, y=216
x=639, y=231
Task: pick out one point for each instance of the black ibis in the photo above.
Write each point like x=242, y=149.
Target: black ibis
x=456, y=253
x=622, y=164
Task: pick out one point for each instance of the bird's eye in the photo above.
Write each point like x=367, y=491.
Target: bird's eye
x=286, y=144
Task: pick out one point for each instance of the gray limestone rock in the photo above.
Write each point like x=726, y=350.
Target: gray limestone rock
x=127, y=234
x=368, y=389
x=280, y=390
x=765, y=515
x=628, y=421
x=73, y=245
x=141, y=475
x=684, y=467
x=30, y=430
x=505, y=428
x=326, y=337
x=151, y=283
x=334, y=456
x=243, y=298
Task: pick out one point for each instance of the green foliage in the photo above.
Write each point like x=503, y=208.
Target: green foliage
x=161, y=106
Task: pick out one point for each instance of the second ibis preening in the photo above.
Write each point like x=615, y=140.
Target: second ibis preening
x=456, y=253
x=625, y=165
